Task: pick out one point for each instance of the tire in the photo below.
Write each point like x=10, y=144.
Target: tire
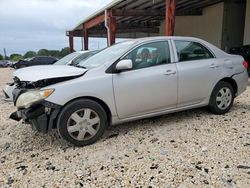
x=225, y=93
x=78, y=122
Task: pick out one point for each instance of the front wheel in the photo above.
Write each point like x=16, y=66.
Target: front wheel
x=82, y=122
x=222, y=98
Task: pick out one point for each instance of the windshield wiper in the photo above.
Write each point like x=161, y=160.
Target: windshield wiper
x=77, y=65
x=80, y=66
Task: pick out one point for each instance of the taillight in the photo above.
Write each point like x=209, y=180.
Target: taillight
x=245, y=64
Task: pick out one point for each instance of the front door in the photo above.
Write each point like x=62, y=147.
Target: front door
x=151, y=85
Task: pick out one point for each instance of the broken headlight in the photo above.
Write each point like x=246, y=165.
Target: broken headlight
x=28, y=98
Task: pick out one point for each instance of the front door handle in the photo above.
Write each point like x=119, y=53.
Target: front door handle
x=170, y=72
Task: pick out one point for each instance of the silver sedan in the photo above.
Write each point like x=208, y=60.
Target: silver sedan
x=131, y=80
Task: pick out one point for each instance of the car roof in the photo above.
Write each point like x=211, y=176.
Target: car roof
x=85, y=51
x=145, y=39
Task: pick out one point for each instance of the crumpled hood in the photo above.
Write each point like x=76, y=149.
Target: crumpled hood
x=36, y=73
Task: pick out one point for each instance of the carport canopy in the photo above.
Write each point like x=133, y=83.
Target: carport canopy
x=132, y=19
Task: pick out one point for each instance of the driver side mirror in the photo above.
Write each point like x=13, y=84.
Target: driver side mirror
x=123, y=65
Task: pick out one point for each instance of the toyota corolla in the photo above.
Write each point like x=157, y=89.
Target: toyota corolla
x=130, y=80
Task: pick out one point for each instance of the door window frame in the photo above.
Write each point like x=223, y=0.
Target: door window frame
x=203, y=45
x=112, y=69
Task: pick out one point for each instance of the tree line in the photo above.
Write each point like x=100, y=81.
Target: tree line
x=42, y=52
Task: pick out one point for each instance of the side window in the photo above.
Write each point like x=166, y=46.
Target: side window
x=36, y=59
x=151, y=54
x=190, y=51
x=43, y=59
x=49, y=60
x=46, y=60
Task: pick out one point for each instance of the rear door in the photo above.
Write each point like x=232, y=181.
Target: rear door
x=151, y=85
x=198, y=70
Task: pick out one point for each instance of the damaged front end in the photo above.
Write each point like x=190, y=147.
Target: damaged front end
x=42, y=117
x=32, y=108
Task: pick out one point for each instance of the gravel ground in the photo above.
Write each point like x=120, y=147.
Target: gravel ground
x=187, y=149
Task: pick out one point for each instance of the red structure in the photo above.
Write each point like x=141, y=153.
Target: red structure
x=132, y=19
x=112, y=29
x=170, y=17
x=71, y=41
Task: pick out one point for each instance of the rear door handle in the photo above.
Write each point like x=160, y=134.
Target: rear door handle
x=170, y=72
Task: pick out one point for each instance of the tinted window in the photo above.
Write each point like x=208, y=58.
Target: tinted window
x=50, y=60
x=152, y=54
x=45, y=59
x=36, y=59
x=189, y=51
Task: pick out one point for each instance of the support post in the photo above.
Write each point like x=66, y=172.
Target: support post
x=71, y=41
x=170, y=17
x=86, y=38
x=112, y=30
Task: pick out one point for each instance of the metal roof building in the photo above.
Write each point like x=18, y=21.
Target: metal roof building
x=222, y=22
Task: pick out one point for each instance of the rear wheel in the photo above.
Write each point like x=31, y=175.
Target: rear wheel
x=82, y=122
x=222, y=98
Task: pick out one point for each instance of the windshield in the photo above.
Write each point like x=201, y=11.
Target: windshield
x=105, y=55
x=66, y=59
x=83, y=57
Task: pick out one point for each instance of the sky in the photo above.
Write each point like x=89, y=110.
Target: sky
x=36, y=24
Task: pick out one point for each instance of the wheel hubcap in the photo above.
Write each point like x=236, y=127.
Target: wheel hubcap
x=224, y=98
x=83, y=124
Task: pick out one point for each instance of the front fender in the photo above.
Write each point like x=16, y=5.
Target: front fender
x=98, y=87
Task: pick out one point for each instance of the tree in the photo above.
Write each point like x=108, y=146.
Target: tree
x=43, y=52
x=1, y=57
x=29, y=54
x=54, y=53
x=16, y=57
x=65, y=51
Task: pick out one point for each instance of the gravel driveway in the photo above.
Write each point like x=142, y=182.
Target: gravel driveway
x=188, y=149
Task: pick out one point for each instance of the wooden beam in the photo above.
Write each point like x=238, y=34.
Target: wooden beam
x=71, y=41
x=136, y=12
x=94, y=21
x=125, y=30
x=96, y=32
x=170, y=17
x=112, y=30
x=201, y=5
x=139, y=30
x=85, y=38
x=138, y=25
x=189, y=13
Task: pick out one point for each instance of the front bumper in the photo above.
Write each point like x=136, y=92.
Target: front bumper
x=42, y=116
x=8, y=91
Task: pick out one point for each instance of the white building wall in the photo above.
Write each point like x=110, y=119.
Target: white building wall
x=247, y=25
x=208, y=26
